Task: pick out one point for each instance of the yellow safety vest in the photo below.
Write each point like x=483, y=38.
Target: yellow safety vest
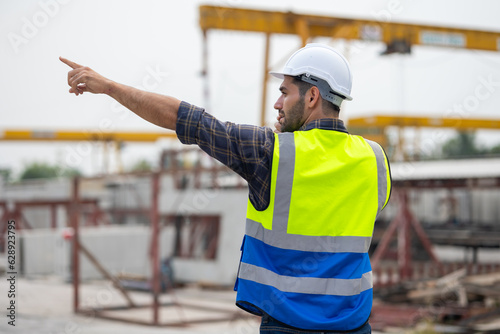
x=305, y=258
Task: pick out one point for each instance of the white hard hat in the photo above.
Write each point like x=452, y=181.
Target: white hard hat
x=319, y=61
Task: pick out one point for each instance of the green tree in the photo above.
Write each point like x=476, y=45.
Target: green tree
x=41, y=170
x=142, y=166
x=5, y=174
x=462, y=145
x=495, y=150
x=69, y=172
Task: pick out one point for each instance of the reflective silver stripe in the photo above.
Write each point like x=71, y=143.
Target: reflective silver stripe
x=308, y=243
x=309, y=285
x=381, y=174
x=284, y=182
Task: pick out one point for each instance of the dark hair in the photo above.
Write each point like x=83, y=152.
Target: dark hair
x=305, y=86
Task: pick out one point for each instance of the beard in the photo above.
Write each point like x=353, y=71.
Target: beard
x=293, y=119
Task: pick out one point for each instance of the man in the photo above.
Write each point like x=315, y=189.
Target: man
x=314, y=192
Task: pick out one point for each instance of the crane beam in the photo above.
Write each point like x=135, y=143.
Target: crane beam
x=394, y=34
x=382, y=121
x=64, y=135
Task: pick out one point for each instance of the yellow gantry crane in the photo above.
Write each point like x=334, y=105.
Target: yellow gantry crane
x=375, y=127
x=68, y=135
x=114, y=138
x=398, y=37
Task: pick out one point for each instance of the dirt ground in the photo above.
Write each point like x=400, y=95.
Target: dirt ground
x=45, y=306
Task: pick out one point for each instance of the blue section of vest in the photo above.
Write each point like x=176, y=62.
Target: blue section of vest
x=305, y=264
x=304, y=311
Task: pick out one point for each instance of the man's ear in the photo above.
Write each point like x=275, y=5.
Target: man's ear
x=313, y=97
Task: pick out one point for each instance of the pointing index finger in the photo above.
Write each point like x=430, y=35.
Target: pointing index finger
x=68, y=62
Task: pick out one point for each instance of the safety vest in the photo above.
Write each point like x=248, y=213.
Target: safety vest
x=305, y=258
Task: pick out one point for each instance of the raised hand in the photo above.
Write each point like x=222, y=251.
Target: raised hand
x=83, y=79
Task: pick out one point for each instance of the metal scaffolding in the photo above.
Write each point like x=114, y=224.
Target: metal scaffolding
x=203, y=229
x=405, y=219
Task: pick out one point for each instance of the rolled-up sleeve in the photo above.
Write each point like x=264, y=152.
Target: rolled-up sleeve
x=188, y=118
x=246, y=149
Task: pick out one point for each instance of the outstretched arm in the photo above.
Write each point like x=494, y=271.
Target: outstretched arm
x=155, y=108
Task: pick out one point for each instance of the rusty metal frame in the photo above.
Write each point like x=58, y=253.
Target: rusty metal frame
x=200, y=226
x=215, y=168
x=156, y=218
x=401, y=224
x=405, y=219
x=89, y=207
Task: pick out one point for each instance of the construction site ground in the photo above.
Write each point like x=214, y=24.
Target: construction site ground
x=44, y=305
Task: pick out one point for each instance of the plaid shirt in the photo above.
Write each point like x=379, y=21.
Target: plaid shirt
x=246, y=149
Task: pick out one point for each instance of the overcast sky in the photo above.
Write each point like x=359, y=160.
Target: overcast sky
x=156, y=45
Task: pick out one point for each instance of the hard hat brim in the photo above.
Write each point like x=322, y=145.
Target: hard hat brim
x=281, y=75
x=278, y=75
